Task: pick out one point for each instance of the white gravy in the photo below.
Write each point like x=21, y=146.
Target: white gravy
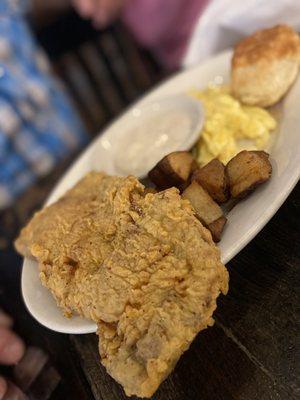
x=142, y=146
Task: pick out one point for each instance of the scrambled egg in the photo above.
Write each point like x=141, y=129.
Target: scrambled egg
x=230, y=126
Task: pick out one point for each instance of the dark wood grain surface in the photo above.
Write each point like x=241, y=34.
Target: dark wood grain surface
x=252, y=352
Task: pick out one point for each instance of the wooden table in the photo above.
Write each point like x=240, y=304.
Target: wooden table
x=252, y=352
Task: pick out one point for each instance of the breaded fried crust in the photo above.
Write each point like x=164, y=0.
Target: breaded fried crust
x=141, y=265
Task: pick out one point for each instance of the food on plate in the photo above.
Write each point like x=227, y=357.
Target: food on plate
x=265, y=64
x=143, y=267
x=154, y=133
x=214, y=184
x=216, y=228
x=207, y=210
x=173, y=170
x=229, y=126
x=246, y=171
x=213, y=179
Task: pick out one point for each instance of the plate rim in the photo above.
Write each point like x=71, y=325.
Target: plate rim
x=148, y=96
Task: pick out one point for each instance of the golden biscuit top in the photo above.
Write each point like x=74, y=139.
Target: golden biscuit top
x=267, y=45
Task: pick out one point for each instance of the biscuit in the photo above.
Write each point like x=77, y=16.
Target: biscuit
x=264, y=65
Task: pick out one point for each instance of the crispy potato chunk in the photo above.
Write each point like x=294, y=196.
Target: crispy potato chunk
x=213, y=179
x=207, y=210
x=246, y=171
x=173, y=170
x=216, y=228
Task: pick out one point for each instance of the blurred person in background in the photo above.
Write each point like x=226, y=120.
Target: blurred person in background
x=38, y=126
x=162, y=26
x=182, y=33
x=11, y=351
x=38, y=129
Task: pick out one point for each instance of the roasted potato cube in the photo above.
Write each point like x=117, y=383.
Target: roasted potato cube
x=216, y=228
x=207, y=210
x=173, y=170
x=213, y=179
x=246, y=171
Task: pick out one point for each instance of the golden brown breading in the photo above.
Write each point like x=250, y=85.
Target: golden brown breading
x=142, y=266
x=265, y=64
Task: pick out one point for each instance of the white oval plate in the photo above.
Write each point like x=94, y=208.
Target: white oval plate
x=244, y=221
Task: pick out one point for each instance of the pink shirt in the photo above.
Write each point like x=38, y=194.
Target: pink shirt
x=164, y=26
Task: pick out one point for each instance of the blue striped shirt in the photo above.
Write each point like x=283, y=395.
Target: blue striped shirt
x=38, y=126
